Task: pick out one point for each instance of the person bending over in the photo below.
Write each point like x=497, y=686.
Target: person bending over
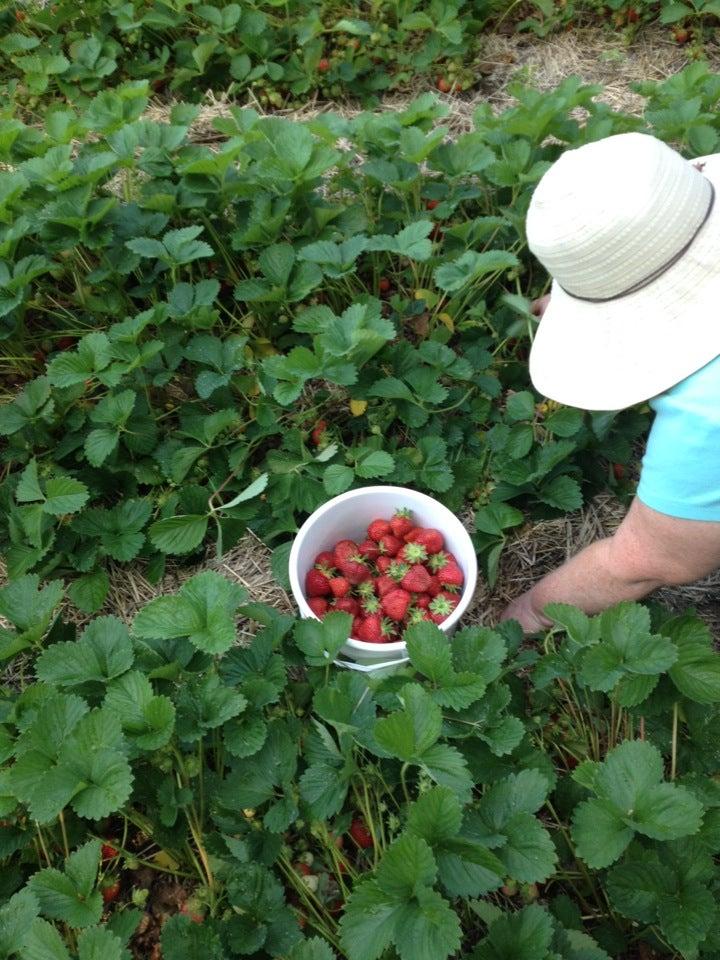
x=630, y=233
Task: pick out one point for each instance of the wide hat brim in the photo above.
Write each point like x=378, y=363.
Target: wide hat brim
x=608, y=356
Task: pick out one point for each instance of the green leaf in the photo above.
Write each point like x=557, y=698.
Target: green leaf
x=103, y=652
x=99, y=444
x=400, y=908
x=43, y=942
x=183, y=939
x=99, y=943
x=70, y=896
x=520, y=406
x=88, y=592
x=338, y=478
x=631, y=798
x=148, y=720
x=312, y=948
x=178, y=535
x=406, y=868
x=377, y=463
x=636, y=886
x=204, y=704
x=696, y=673
x=28, y=488
x=563, y=493
x=203, y=610
x=322, y=640
x=686, y=916
x=471, y=266
x=408, y=733
x=504, y=821
x=64, y=495
x=16, y=916
x=525, y=935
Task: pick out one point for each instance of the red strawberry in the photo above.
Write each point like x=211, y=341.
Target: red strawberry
x=319, y=606
x=430, y=538
x=412, y=553
x=417, y=615
x=369, y=549
x=443, y=85
x=111, y=891
x=416, y=580
x=316, y=584
x=325, y=560
x=431, y=204
x=371, y=604
x=618, y=471
x=323, y=65
x=451, y=575
x=303, y=869
x=378, y=529
x=384, y=584
x=108, y=852
x=437, y=561
x=340, y=586
x=423, y=601
x=395, y=604
x=401, y=522
x=361, y=835
x=389, y=545
x=349, y=561
x=442, y=606
x=347, y=605
x=411, y=533
x=383, y=564
x=434, y=587
x=397, y=570
x=383, y=284
x=374, y=629
x=318, y=432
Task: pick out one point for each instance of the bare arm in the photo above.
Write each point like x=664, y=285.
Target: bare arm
x=648, y=551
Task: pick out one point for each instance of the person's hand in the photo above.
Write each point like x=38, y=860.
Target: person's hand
x=539, y=306
x=522, y=610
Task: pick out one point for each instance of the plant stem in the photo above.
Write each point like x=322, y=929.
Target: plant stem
x=66, y=848
x=673, y=755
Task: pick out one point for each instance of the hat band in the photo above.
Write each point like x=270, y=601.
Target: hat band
x=641, y=284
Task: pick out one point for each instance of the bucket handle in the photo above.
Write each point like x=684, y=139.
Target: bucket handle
x=370, y=668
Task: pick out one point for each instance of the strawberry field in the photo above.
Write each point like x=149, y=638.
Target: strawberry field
x=201, y=338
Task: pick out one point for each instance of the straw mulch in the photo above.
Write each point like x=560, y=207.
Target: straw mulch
x=535, y=550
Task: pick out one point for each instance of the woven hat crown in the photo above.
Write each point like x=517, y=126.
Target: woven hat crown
x=611, y=213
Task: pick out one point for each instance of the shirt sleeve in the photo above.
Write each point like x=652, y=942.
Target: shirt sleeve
x=681, y=468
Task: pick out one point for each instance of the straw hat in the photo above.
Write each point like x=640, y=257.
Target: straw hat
x=630, y=232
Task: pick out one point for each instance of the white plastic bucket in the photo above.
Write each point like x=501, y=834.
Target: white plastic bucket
x=346, y=518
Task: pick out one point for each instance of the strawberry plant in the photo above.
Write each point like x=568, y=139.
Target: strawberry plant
x=57, y=50
x=199, y=314
x=294, y=806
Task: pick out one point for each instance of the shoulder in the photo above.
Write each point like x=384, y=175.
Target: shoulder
x=698, y=394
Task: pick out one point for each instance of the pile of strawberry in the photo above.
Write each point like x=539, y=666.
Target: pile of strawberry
x=400, y=575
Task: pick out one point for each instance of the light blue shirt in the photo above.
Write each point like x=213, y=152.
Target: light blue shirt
x=681, y=467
